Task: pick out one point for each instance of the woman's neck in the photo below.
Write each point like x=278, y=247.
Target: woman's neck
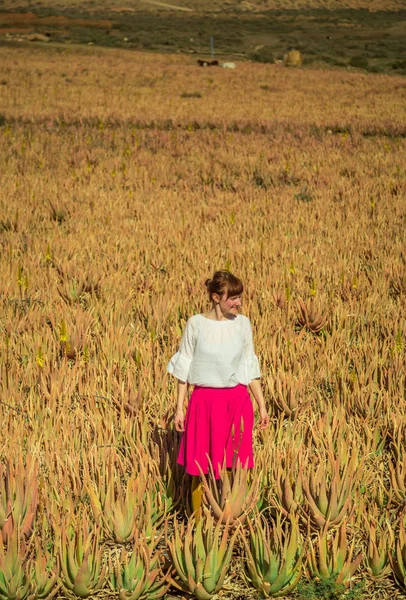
x=216, y=313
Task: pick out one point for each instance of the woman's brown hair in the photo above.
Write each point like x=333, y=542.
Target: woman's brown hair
x=224, y=282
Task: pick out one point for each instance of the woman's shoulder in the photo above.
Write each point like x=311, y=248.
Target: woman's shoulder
x=195, y=320
x=244, y=320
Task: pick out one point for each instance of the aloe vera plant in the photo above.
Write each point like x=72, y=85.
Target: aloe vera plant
x=288, y=489
x=309, y=319
x=379, y=545
x=83, y=572
x=287, y=394
x=398, y=556
x=201, y=555
x=137, y=575
x=233, y=496
x=274, y=555
x=328, y=489
x=14, y=580
x=331, y=557
x=18, y=497
x=155, y=506
x=119, y=510
x=397, y=467
x=44, y=576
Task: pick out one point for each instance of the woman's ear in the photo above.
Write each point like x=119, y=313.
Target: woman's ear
x=215, y=298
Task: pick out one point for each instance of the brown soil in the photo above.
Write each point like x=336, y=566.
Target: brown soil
x=31, y=20
x=4, y=30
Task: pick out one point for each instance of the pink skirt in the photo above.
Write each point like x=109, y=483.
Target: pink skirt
x=218, y=426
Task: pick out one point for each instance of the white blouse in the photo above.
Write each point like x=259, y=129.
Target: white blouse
x=216, y=353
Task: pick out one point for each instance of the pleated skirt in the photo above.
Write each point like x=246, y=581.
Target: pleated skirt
x=218, y=427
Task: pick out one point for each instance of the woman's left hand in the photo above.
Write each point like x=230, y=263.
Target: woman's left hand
x=264, y=418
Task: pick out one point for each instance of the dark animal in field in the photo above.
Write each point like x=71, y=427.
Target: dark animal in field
x=207, y=63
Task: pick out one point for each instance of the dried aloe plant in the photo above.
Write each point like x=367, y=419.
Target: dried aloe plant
x=397, y=465
x=75, y=283
x=201, y=555
x=274, y=555
x=121, y=510
x=397, y=283
x=233, y=495
x=309, y=319
x=329, y=487
x=18, y=496
x=398, y=556
x=164, y=449
x=284, y=473
x=287, y=393
x=44, y=575
x=155, y=506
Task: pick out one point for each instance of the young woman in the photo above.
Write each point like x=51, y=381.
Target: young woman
x=217, y=357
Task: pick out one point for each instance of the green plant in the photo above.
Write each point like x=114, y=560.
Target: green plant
x=233, y=496
x=331, y=558
x=14, y=580
x=201, y=555
x=263, y=54
x=328, y=589
x=138, y=574
x=44, y=575
x=274, y=555
x=191, y=95
x=18, y=496
x=83, y=572
x=304, y=196
x=359, y=62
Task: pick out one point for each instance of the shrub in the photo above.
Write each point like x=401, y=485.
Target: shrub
x=191, y=95
x=328, y=589
x=399, y=64
x=262, y=55
x=293, y=58
x=359, y=61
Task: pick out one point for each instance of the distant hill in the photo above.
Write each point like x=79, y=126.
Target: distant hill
x=203, y=6
x=327, y=33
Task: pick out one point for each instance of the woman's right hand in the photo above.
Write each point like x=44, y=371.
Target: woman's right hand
x=180, y=420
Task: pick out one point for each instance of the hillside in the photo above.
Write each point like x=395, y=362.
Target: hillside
x=220, y=6
x=326, y=35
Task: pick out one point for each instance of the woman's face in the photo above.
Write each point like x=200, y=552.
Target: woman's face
x=231, y=305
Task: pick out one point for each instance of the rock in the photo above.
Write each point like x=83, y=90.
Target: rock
x=229, y=65
x=207, y=63
x=37, y=37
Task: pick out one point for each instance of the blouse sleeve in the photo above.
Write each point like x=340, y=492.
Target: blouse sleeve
x=252, y=363
x=180, y=362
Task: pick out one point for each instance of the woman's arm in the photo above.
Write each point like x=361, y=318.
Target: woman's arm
x=180, y=415
x=255, y=387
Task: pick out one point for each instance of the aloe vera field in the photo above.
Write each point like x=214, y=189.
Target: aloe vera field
x=126, y=179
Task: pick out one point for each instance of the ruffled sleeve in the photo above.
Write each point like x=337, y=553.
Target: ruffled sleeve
x=251, y=360
x=180, y=362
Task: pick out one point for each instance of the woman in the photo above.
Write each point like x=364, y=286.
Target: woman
x=217, y=357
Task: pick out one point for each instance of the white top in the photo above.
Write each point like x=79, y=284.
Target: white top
x=216, y=353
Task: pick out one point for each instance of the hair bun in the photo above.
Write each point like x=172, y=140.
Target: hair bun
x=208, y=282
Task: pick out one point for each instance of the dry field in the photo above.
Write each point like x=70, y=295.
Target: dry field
x=126, y=179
